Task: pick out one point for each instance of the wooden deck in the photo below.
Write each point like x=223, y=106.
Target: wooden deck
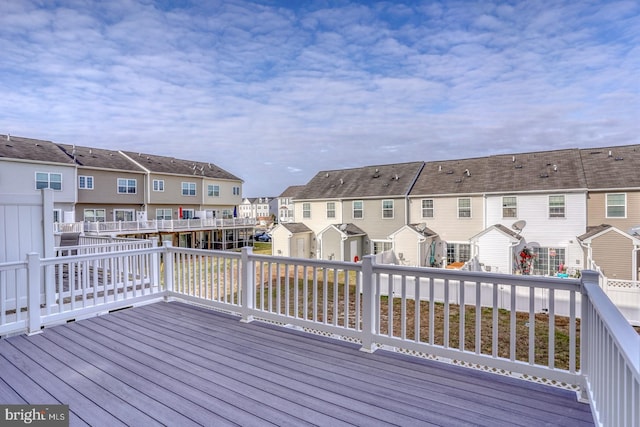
x=179, y=365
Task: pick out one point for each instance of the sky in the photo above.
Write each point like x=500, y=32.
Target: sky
x=276, y=91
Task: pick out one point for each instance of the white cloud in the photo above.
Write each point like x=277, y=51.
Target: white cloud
x=311, y=87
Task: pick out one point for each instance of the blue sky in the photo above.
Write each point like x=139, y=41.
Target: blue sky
x=274, y=91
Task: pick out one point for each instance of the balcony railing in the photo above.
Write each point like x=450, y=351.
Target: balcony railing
x=563, y=332
x=153, y=226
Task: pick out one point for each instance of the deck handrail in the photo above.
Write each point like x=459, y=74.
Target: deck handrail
x=353, y=301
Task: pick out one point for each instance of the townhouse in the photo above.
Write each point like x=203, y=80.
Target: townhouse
x=285, y=203
x=337, y=205
x=264, y=209
x=27, y=167
x=545, y=213
x=612, y=240
x=108, y=192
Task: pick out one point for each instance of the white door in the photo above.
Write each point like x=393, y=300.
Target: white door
x=353, y=250
x=300, y=248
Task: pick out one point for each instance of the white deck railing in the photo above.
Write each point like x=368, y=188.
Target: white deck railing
x=559, y=331
x=151, y=226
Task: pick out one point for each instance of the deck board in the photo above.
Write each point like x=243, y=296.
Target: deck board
x=178, y=364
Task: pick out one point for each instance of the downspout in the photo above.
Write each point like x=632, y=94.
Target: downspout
x=406, y=196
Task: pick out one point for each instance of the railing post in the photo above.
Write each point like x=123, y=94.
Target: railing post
x=34, y=325
x=587, y=276
x=169, y=277
x=247, y=284
x=368, y=304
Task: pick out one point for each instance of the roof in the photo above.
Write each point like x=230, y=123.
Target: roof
x=349, y=229
x=611, y=167
x=100, y=158
x=504, y=230
x=291, y=191
x=593, y=230
x=370, y=181
x=421, y=228
x=466, y=176
x=542, y=170
x=15, y=147
x=171, y=165
x=296, y=227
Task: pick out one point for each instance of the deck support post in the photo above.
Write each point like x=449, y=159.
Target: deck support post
x=247, y=285
x=585, y=332
x=368, y=305
x=169, y=277
x=34, y=325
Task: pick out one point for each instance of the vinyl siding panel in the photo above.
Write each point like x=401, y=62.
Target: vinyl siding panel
x=332, y=245
x=540, y=230
x=597, y=210
x=373, y=223
x=319, y=220
x=407, y=242
x=495, y=251
x=613, y=254
x=446, y=222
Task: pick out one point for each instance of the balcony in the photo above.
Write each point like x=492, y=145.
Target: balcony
x=153, y=226
x=254, y=340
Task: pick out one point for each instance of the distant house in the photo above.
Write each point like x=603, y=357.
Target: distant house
x=27, y=167
x=264, y=209
x=285, y=203
x=372, y=199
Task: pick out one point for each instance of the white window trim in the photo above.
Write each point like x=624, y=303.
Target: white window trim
x=86, y=178
x=432, y=208
x=606, y=205
x=126, y=185
x=353, y=209
x=189, y=185
x=160, y=183
x=392, y=209
x=331, y=210
x=564, y=206
x=515, y=207
x=132, y=211
x=48, y=180
x=470, y=208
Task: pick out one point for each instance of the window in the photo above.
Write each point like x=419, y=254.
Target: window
x=381, y=246
x=306, y=210
x=387, y=209
x=458, y=252
x=464, y=208
x=358, y=210
x=127, y=186
x=188, y=213
x=123, y=214
x=556, y=206
x=158, y=185
x=547, y=260
x=331, y=210
x=213, y=190
x=427, y=208
x=48, y=180
x=509, y=207
x=163, y=214
x=95, y=215
x=188, y=188
x=617, y=205
x=236, y=191
x=85, y=182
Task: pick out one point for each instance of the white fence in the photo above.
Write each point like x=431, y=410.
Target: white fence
x=531, y=327
x=625, y=294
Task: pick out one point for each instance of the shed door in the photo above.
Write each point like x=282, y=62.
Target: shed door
x=300, y=248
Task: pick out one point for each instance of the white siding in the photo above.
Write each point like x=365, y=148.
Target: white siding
x=495, y=252
x=542, y=230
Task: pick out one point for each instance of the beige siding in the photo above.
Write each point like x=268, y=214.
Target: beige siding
x=445, y=221
x=406, y=242
x=226, y=198
x=318, y=220
x=612, y=252
x=597, y=211
x=377, y=227
x=105, y=187
x=332, y=245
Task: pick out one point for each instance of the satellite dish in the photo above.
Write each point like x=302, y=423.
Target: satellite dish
x=421, y=227
x=634, y=231
x=343, y=227
x=519, y=225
